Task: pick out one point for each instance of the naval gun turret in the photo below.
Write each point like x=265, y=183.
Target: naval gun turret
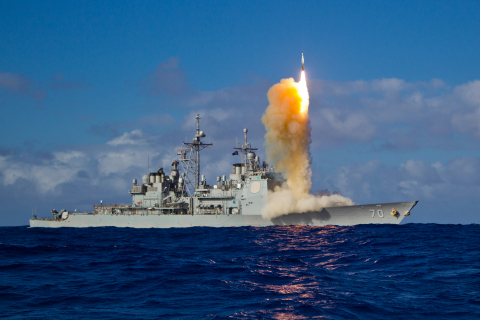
x=62, y=215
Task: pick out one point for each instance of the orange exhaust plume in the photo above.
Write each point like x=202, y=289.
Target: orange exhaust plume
x=287, y=144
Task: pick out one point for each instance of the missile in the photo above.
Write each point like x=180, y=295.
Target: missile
x=303, y=61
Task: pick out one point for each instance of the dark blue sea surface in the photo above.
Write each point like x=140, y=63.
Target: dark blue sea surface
x=413, y=271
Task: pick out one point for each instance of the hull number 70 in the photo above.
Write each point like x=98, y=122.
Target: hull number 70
x=379, y=212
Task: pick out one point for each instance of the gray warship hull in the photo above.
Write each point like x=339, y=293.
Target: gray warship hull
x=338, y=216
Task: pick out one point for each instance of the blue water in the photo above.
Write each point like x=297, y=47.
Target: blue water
x=413, y=271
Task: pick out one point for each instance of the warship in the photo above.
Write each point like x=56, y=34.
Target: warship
x=184, y=199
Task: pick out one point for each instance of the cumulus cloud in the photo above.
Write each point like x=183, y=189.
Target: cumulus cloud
x=45, y=175
x=467, y=122
x=469, y=93
x=120, y=156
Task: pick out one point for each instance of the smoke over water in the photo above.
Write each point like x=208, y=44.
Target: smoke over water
x=287, y=148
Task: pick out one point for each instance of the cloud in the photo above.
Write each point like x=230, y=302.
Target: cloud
x=120, y=156
x=373, y=181
x=20, y=84
x=464, y=171
x=390, y=85
x=468, y=123
x=45, y=175
x=418, y=170
x=466, y=118
x=403, y=115
x=135, y=137
x=115, y=162
x=469, y=93
x=333, y=126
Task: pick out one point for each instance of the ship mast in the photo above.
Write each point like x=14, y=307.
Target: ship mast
x=196, y=145
x=245, y=149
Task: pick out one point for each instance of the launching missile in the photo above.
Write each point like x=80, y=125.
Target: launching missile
x=303, y=68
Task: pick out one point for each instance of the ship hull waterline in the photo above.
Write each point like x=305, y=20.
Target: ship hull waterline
x=339, y=216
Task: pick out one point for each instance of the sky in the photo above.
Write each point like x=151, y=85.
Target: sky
x=90, y=90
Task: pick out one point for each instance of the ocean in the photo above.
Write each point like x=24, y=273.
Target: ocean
x=411, y=271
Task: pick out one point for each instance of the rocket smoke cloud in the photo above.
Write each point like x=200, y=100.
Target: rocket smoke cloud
x=287, y=148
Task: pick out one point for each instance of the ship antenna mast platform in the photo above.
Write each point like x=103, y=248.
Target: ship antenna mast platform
x=245, y=149
x=191, y=165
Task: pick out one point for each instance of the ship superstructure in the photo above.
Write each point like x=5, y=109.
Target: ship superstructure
x=188, y=193
x=184, y=199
